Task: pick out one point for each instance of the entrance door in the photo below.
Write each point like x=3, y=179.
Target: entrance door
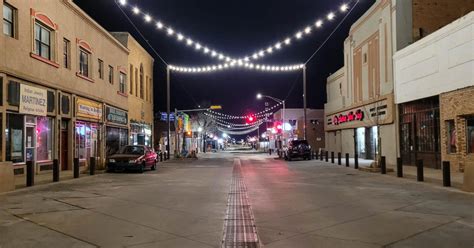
x=30, y=141
x=64, y=145
x=406, y=143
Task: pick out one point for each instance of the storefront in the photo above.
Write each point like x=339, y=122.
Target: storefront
x=140, y=133
x=87, y=129
x=116, y=129
x=29, y=132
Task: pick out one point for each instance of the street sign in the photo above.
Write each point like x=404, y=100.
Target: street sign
x=216, y=107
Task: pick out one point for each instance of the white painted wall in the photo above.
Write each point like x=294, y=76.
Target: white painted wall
x=441, y=62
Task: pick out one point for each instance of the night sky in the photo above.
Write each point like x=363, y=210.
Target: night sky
x=236, y=28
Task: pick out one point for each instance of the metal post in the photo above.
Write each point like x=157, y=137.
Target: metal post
x=92, y=166
x=399, y=167
x=316, y=155
x=55, y=170
x=168, y=109
x=356, y=161
x=419, y=170
x=321, y=155
x=347, y=159
x=176, y=137
x=304, y=101
x=339, y=155
x=30, y=173
x=446, y=174
x=327, y=156
x=76, y=167
x=332, y=157
x=383, y=165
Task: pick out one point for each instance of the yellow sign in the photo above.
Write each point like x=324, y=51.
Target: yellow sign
x=33, y=100
x=216, y=107
x=88, y=109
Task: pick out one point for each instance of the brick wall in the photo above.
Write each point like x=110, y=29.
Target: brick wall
x=431, y=15
x=456, y=105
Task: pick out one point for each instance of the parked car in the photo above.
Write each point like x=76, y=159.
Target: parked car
x=298, y=149
x=137, y=158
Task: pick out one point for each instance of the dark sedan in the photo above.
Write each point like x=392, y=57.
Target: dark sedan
x=298, y=149
x=137, y=158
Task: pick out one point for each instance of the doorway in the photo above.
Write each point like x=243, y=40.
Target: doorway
x=64, y=145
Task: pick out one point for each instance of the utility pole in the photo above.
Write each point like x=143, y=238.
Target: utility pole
x=304, y=100
x=168, y=110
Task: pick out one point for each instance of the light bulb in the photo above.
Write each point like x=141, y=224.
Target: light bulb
x=278, y=45
x=287, y=41
x=213, y=53
x=307, y=30
x=298, y=35
x=198, y=46
x=180, y=37
x=221, y=56
x=147, y=18
x=123, y=2
x=159, y=25
x=206, y=50
x=270, y=50
x=136, y=10
x=189, y=42
x=261, y=53
x=331, y=16
x=319, y=23
x=170, y=31
x=255, y=56
x=344, y=7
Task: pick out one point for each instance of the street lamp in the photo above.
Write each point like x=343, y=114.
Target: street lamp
x=260, y=96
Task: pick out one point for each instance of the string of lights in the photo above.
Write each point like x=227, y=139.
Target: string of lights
x=258, y=54
x=240, y=128
x=226, y=123
x=234, y=64
x=260, y=114
x=232, y=132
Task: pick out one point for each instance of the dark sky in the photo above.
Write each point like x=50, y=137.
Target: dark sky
x=236, y=28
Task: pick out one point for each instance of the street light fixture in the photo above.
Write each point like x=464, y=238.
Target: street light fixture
x=260, y=96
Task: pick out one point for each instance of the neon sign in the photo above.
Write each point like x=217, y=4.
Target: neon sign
x=350, y=117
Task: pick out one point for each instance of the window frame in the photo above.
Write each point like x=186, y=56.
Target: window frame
x=111, y=74
x=67, y=53
x=11, y=22
x=80, y=71
x=38, y=49
x=100, y=68
x=122, y=83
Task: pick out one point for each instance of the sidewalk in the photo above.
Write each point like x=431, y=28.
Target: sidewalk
x=20, y=180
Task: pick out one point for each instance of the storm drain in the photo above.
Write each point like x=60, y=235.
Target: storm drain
x=239, y=225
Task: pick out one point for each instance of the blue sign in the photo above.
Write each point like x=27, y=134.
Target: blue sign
x=164, y=116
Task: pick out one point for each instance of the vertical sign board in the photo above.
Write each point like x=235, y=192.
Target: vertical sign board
x=33, y=100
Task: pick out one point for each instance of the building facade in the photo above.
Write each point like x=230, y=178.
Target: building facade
x=434, y=90
x=63, y=81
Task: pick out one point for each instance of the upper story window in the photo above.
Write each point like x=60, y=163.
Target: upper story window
x=84, y=62
x=8, y=20
x=131, y=79
x=111, y=74
x=42, y=41
x=101, y=69
x=141, y=82
x=66, y=53
x=122, y=83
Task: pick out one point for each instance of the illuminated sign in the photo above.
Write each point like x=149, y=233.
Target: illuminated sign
x=349, y=117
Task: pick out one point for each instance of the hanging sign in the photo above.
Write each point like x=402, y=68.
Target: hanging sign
x=358, y=115
x=115, y=115
x=88, y=109
x=33, y=100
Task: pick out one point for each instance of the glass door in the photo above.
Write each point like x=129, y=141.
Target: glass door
x=30, y=138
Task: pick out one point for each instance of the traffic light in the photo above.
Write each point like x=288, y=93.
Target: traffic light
x=278, y=126
x=251, y=119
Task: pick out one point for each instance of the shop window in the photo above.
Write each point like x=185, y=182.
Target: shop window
x=66, y=53
x=111, y=74
x=65, y=105
x=452, y=138
x=9, y=20
x=44, y=138
x=116, y=138
x=13, y=97
x=42, y=41
x=86, y=140
x=50, y=101
x=122, y=83
x=101, y=68
x=470, y=134
x=84, y=62
x=14, y=138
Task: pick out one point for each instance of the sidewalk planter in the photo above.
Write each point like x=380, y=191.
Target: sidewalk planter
x=8, y=179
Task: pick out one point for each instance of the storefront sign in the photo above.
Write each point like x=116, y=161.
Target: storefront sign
x=88, y=109
x=116, y=116
x=33, y=101
x=358, y=115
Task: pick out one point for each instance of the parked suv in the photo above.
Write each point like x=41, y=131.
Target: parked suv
x=298, y=149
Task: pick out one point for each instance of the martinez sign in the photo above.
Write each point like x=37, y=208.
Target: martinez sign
x=33, y=101
x=349, y=117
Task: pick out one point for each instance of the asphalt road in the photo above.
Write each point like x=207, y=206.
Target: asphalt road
x=184, y=204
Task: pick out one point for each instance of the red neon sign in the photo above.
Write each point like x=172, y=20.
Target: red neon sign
x=351, y=116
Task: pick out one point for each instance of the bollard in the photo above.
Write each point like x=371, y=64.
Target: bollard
x=92, y=166
x=347, y=159
x=419, y=170
x=316, y=155
x=356, y=161
x=399, y=167
x=30, y=173
x=446, y=174
x=339, y=162
x=383, y=165
x=327, y=156
x=76, y=167
x=55, y=170
x=161, y=157
x=332, y=157
x=321, y=155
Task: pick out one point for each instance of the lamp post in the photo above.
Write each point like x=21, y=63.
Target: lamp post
x=260, y=96
x=168, y=110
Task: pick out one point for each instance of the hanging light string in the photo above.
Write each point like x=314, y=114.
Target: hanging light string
x=232, y=65
x=258, y=54
x=241, y=128
x=262, y=113
x=232, y=132
x=226, y=123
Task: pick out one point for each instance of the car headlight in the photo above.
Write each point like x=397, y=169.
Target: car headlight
x=132, y=161
x=111, y=160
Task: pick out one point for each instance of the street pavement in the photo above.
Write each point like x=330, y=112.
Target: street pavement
x=184, y=204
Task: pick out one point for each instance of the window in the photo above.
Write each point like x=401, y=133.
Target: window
x=122, y=83
x=83, y=63
x=101, y=69
x=141, y=82
x=470, y=134
x=111, y=74
x=452, y=138
x=8, y=20
x=136, y=82
x=42, y=41
x=66, y=52
x=131, y=79
x=14, y=135
x=44, y=138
